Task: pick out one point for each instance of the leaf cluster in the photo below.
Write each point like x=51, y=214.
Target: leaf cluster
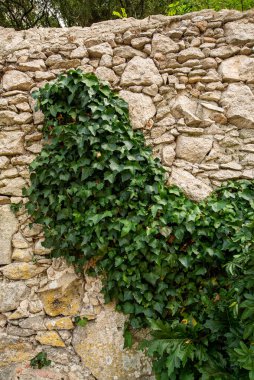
x=40, y=360
x=186, y=268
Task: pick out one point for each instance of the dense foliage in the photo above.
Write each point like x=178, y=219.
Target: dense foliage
x=185, y=268
x=23, y=14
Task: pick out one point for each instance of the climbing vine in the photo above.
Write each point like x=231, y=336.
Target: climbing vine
x=183, y=268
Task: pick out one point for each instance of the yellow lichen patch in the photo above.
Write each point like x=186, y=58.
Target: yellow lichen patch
x=50, y=338
x=56, y=302
x=64, y=323
x=14, y=350
x=22, y=271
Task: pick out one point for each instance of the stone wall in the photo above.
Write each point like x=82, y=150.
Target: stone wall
x=189, y=82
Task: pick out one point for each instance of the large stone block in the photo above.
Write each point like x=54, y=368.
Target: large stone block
x=141, y=108
x=11, y=294
x=11, y=143
x=16, y=80
x=238, y=68
x=141, y=72
x=100, y=346
x=238, y=101
x=8, y=226
x=239, y=33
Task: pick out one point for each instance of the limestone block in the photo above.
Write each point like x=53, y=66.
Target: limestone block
x=106, y=74
x=23, y=255
x=141, y=72
x=11, y=143
x=193, y=149
x=163, y=44
x=238, y=68
x=18, y=241
x=141, y=108
x=64, y=323
x=190, y=53
x=7, y=117
x=99, y=50
x=36, y=64
x=128, y=52
x=168, y=155
x=225, y=175
x=22, y=271
x=11, y=294
x=16, y=80
x=100, y=346
x=50, y=338
x=8, y=226
x=13, y=187
x=34, y=323
x=193, y=187
x=238, y=101
x=239, y=33
x=14, y=350
x=80, y=52
x=183, y=106
x=62, y=302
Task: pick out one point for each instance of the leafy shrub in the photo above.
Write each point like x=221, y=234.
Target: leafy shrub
x=186, y=268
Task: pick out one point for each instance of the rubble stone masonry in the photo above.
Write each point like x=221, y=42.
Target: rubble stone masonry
x=189, y=82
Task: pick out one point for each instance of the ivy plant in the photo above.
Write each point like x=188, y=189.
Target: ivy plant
x=183, y=268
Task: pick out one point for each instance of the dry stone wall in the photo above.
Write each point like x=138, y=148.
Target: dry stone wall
x=189, y=82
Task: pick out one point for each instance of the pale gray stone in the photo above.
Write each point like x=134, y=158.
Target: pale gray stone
x=238, y=68
x=11, y=294
x=141, y=108
x=239, y=33
x=193, y=149
x=190, y=53
x=225, y=175
x=98, y=51
x=238, y=101
x=193, y=187
x=37, y=64
x=140, y=71
x=168, y=155
x=8, y=226
x=16, y=80
x=224, y=51
x=128, y=52
x=35, y=323
x=7, y=117
x=13, y=187
x=80, y=52
x=163, y=44
x=183, y=106
x=106, y=74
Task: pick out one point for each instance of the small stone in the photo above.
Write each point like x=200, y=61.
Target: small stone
x=239, y=33
x=22, y=271
x=64, y=323
x=225, y=175
x=13, y=187
x=34, y=323
x=23, y=255
x=224, y=51
x=8, y=226
x=16, y=80
x=139, y=42
x=11, y=294
x=106, y=74
x=193, y=187
x=141, y=108
x=17, y=331
x=168, y=155
x=4, y=161
x=163, y=44
x=50, y=338
x=37, y=64
x=23, y=118
x=238, y=68
x=193, y=149
x=80, y=52
x=140, y=71
x=57, y=302
x=40, y=75
x=128, y=52
x=106, y=61
x=190, y=53
x=98, y=51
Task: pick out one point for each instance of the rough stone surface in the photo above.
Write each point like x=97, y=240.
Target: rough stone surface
x=238, y=100
x=8, y=226
x=193, y=149
x=11, y=294
x=141, y=108
x=238, y=68
x=100, y=346
x=140, y=71
x=16, y=80
x=189, y=84
x=193, y=187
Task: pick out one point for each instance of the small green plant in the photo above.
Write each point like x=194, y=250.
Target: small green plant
x=40, y=360
x=80, y=321
x=121, y=14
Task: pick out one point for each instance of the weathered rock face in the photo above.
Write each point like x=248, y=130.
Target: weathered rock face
x=238, y=100
x=8, y=226
x=189, y=83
